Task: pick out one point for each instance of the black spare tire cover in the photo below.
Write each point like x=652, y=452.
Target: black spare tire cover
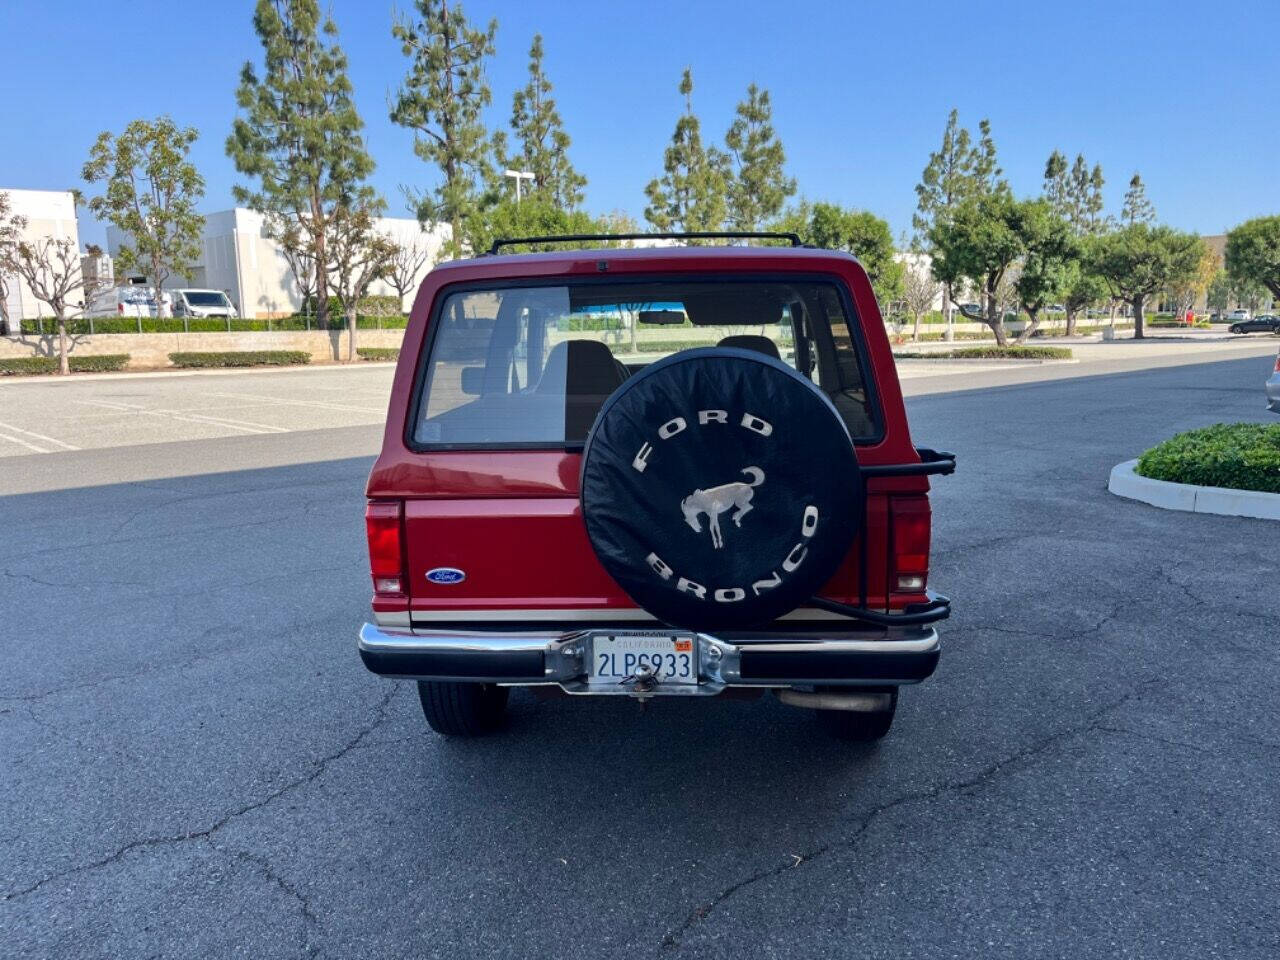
x=720, y=488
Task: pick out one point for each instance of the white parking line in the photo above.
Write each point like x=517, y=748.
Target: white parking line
x=244, y=425
x=22, y=443
x=38, y=436
x=301, y=403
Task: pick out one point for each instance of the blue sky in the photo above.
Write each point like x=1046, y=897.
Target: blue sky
x=1184, y=92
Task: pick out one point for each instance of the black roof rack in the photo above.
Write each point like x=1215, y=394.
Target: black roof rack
x=794, y=239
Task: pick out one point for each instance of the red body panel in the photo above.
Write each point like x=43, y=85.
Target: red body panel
x=511, y=519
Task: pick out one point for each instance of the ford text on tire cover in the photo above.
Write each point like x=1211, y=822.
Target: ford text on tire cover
x=646, y=473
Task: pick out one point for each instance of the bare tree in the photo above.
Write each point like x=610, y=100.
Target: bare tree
x=10, y=231
x=50, y=267
x=920, y=291
x=296, y=251
x=405, y=264
x=358, y=255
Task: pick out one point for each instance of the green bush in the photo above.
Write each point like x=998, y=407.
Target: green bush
x=34, y=365
x=83, y=325
x=992, y=353
x=376, y=305
x=1242, y=456
x=240, y=358
x=378, y=353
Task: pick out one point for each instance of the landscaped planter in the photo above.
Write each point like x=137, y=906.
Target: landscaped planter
x=1224, y=501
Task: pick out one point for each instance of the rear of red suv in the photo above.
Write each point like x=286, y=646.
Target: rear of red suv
x=651, y=472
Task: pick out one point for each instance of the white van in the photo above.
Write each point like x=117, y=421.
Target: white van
x=128, y=301
x=201, y=303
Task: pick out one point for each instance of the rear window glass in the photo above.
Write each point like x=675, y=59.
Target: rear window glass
x=532, y=365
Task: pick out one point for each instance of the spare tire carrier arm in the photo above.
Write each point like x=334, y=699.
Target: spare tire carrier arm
x=937, y=607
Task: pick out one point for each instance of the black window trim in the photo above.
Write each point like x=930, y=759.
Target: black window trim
x=853, y=319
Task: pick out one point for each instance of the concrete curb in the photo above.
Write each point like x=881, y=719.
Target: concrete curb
x=1125, y=482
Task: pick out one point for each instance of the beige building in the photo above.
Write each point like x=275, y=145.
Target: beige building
x=49, y=213
x=242, y=260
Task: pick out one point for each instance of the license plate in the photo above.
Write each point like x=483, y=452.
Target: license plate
x=614, y=657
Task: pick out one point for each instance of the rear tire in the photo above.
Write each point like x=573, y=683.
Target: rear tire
x=857, y=726
x=462, y=709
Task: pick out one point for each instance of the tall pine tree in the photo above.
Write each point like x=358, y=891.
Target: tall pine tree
x=1055, y=184
x=299, y=133
x=543, y=145
x=1137, y=208
x=760, y=185
x=690, y=195
x=440, y=100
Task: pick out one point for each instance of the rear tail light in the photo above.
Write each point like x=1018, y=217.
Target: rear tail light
x=382, y=521
x=1278, y=363
x=909, y=519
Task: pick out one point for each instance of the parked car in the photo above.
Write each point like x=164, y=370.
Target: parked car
x=1272, y=388
x=1239, y=315
x=1266, y=323
x=724, y=520
x=201, y=303
x=124, y=301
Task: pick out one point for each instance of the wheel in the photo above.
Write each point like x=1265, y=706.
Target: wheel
x=859, y=727
x=462, y=709
x=1234, y=329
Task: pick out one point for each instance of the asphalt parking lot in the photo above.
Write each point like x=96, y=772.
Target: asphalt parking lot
x=195, y=763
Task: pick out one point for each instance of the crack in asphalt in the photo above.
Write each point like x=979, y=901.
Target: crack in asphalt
x=310, y=922
x=321, y=765
x=672, y=939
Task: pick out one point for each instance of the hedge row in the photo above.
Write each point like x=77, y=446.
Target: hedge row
x=375, y=305
x=83, y=325
x=240, y=358
x=11, y=366
x=378, y=353
x=992, y=353
x=1241, y=456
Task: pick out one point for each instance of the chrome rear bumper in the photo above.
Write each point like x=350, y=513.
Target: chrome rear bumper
x=889, y=657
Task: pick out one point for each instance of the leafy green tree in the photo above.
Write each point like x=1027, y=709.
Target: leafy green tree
x=691, y=194
x=1049, y=250
x=441, y=100
x=543, y=143
x=536, y=215
x=1139, y=261
x=299, y=133
x=1253, y=252
x=1219, y=295
x=1081, y=286
x=980, y=242
x=833, y=227
x=11, y=228
x=1250, y=294
x=759, y=185
x=151, y=191
x=957, y=172
x=1137, y=208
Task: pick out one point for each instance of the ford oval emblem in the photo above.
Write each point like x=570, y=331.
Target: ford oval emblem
x=446, y=575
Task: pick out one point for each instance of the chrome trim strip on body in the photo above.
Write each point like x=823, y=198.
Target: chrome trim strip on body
x=397, y=618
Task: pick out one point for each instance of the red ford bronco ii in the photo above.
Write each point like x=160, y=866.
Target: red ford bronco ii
x=664, y=471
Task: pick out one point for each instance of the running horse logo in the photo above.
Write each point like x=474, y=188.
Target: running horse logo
x=717, y=500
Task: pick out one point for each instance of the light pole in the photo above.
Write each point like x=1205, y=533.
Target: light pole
x=519, y=175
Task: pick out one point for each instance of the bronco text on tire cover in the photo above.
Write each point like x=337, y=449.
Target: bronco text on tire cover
x=720, y=489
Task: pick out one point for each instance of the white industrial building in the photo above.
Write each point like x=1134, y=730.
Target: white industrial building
x=242, y=260
x=49, y=213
